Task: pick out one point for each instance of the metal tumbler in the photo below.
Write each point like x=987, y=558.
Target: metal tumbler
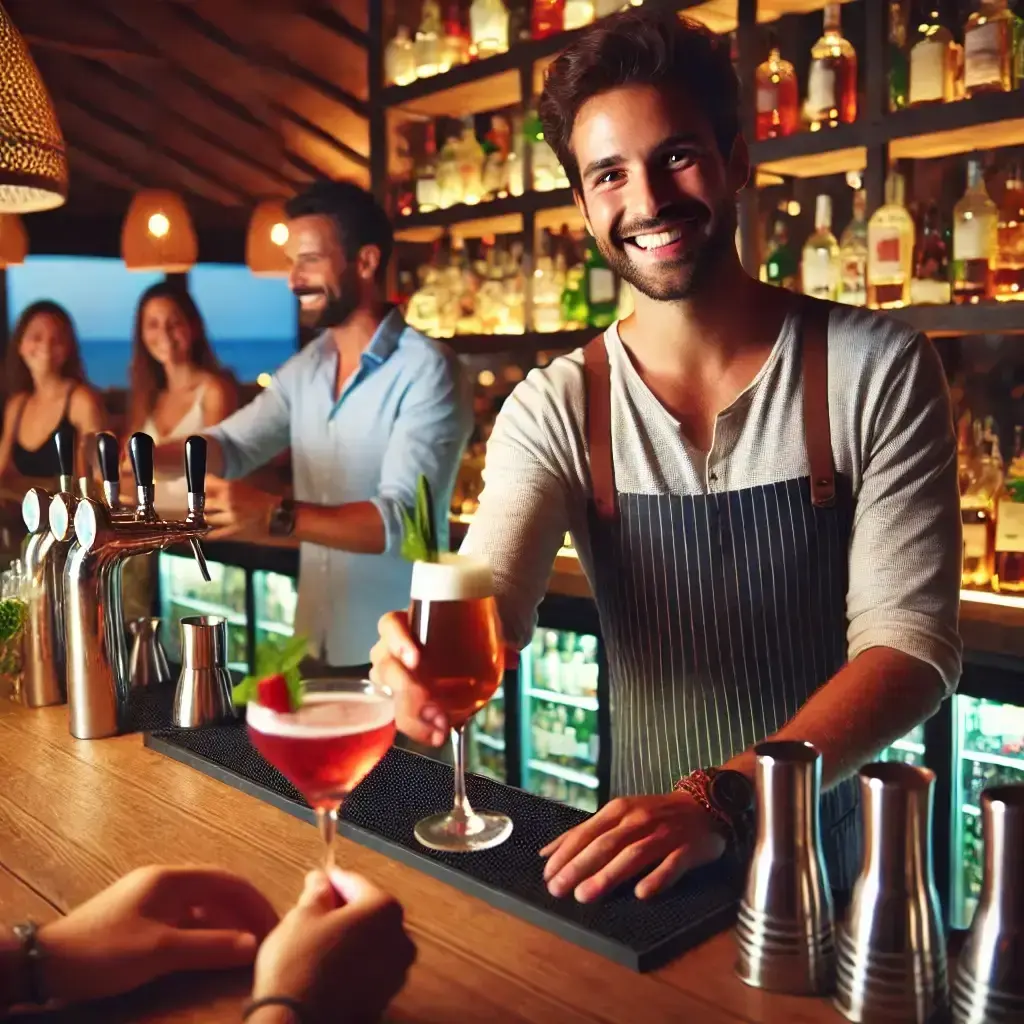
x=203, y=696
x=784, y=930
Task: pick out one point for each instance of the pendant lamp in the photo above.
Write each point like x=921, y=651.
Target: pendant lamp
x=157, y=233
x=13, y=240
x=265, y=241
x=33, y=160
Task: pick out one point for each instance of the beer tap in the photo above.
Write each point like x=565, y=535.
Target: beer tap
x=98, y=682
x=107, y=457
x=195, y=480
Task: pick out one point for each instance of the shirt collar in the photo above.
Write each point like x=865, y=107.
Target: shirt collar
x=382, y=345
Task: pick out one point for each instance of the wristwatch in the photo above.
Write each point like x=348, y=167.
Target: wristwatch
x=729, y=797
x=282, y=519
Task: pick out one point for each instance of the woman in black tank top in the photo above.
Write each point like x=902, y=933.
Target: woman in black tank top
x=45, y=390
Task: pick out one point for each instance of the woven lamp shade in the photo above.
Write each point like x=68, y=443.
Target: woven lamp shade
x=264, y=244
x=33, y=160
x=13, y=240
x=157, y=233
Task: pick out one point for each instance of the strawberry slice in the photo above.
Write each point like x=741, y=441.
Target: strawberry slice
x=273, y=693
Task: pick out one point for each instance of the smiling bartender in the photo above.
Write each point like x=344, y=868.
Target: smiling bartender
x=762, y=489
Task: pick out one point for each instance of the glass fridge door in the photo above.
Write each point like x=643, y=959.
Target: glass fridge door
x=909, y=750
x=558, y=676
x=988, y=750
x=276, y=596
x=486, y=739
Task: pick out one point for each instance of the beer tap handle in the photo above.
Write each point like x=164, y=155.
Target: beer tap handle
x=140, y=449
x=64, y=439
x=195, y=480
x=107, y=456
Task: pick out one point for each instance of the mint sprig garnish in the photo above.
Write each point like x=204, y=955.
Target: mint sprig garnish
x=13, y=612
x=275, y=658
x=419, y=534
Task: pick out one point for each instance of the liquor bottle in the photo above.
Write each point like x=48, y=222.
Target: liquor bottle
x=516, y=159
x=930, y=283
x=977, y=509
x=781, y=266
x=832, y=82
x=934, y=59
x=989, y=48
x=515, y=290
x=548, y=18
x=547, y=293
x=449, y=176
x=471, y=159
x=899, y=71
x=577, y=13
x=423, y=313
x=427, y=47
x=399, y=59
x=820, y=264
x=428, y=195
x=547, y=171
x=456, y=42
x=853, y=255
x=600, y=287
x=778, y=100
x=603, y=8
x=575, y=314
x=1009, y=543
x=1008, y=269
x=518, y=21
x=496, y=164
x=890, y=248
x=488, y=27
x=975, y=220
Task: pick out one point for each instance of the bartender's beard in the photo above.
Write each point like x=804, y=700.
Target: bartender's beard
x=339, y=303
x=686, y=276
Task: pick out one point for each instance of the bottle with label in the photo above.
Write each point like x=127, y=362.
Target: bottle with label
x=975, y=225
x=978, y=509
x=428, y=195
x=1008, y=273
x=777, y=96
x=935, y=58
x=399, y=59
x=899, y=70
x=781, y=267
x=488, y=28
x=427, y=47
x=890, y=248
x=456, y=43
x=853, y=255
x=820, y=264
x=1009, y=543
x=577, y=13
x=832, y=79
x=547, y=292
x=989, y=48
x=548, y=18
x=930, y=283
x=601, y=296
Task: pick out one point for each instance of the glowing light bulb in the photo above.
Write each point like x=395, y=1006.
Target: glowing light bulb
x=264, y=380
x=279, y=233
x=158, y=225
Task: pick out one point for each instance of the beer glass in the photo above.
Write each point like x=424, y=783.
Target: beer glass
x=454, y=618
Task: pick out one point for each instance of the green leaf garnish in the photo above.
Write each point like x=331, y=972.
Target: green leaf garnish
x=280, y=656
x=13, y=612
x=419, y=535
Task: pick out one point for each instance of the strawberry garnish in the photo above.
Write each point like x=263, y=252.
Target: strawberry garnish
x=273, y=693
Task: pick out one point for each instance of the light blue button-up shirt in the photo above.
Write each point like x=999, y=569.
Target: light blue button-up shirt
x=406, y=410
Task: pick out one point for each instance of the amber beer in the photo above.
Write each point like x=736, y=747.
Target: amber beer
x=455, y=619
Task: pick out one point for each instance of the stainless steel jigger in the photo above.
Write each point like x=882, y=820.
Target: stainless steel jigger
x=891, y=950
x=784, y=931
x=203, y=696
x=989, y=987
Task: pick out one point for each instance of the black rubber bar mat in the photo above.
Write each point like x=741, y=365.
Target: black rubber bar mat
x=405, y=787
x=148, y=708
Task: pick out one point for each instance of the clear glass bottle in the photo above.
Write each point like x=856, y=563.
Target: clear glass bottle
x=456, y=44
x=515, y=290
x=449, y=176
x=471, y=158
x=820, y=262
x=1008, y=270
x=399, y=59
x=496, y=165
x=488, y=27
x=547, y=171
x=989, y=48
x=547, y=292
x=890, y=248
x=548, y=18
x=853, y=255
x=930, y=283
x=978, y=511
x=423, y=312
x=428, y=195
x=975, y=226
x=832, y=79
x=602, y=300
x=1009, y=542
x=516, y=162
x=777, y=97
x=781, y=267
x=899, y=70
x=577, y=13
x=934, y=58
x=428, y=40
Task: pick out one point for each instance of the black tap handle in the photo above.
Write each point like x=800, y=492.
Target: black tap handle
x=64, y=439
x=195, y=464
x=107, y=456
x=140, y=448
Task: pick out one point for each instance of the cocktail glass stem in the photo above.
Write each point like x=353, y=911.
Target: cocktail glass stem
x=327, y=819
x=461, y=809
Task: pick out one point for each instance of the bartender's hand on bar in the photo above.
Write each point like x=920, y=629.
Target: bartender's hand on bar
x=342, y=952
x=659, y=837
x=152, y=922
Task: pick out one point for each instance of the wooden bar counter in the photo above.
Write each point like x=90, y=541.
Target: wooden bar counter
x=76, y=815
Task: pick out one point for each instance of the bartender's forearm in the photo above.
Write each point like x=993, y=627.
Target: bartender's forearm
x=356, y=526
x=871, y=702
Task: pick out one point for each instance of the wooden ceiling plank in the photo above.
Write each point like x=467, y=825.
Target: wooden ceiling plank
x=337, y=23
x=99, y=165
x=321, y=154
x=355, y=12
x=322, y=134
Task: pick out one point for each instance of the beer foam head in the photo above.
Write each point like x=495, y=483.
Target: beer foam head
x=324, y=716
x=451, y=578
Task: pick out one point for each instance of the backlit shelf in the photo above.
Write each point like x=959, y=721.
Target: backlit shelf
x=1002, y=760
x=487, y=740
x=586, y=703
x=561, y=772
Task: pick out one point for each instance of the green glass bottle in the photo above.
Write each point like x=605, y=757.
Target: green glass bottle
x=899, y=65
x=574, y=299
x=782, y=268
x=600, y=287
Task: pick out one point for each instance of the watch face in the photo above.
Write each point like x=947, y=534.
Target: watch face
x=732, y=792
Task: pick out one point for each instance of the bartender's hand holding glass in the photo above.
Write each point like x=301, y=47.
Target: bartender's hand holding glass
x=233, y=505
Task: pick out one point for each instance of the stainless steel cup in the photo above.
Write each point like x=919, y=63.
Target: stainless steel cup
x=891, y=949
x=147, y=665
x=989, y=987
x=784, y=930
x=203, y=696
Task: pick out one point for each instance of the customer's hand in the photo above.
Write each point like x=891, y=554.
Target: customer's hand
x=341, y=951
x=152, y=922
x=395, y=658
x=232, y=506
x=660, y=837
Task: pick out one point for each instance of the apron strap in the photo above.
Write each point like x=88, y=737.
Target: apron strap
x=597, y=378
x=817, y=432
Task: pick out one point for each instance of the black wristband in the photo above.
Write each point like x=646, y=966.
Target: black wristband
x=27, y=935
x=286, y=1001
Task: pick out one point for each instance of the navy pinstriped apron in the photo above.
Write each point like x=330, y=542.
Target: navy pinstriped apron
x=723, y=612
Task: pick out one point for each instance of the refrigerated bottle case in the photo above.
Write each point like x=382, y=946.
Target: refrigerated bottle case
x=276, y=596
x=909, y=750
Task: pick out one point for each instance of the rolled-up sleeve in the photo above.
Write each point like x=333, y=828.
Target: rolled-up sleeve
x=906, y=551
x=434, y=422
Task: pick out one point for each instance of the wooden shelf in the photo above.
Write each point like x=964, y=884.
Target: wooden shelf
x=499, y=217
x=950, y=321
x=812, y=154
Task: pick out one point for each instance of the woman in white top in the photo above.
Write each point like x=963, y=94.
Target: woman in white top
x=177, y=385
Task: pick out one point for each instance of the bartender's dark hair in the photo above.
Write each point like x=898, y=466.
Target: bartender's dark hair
x=358, y=217
x=639, y=47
